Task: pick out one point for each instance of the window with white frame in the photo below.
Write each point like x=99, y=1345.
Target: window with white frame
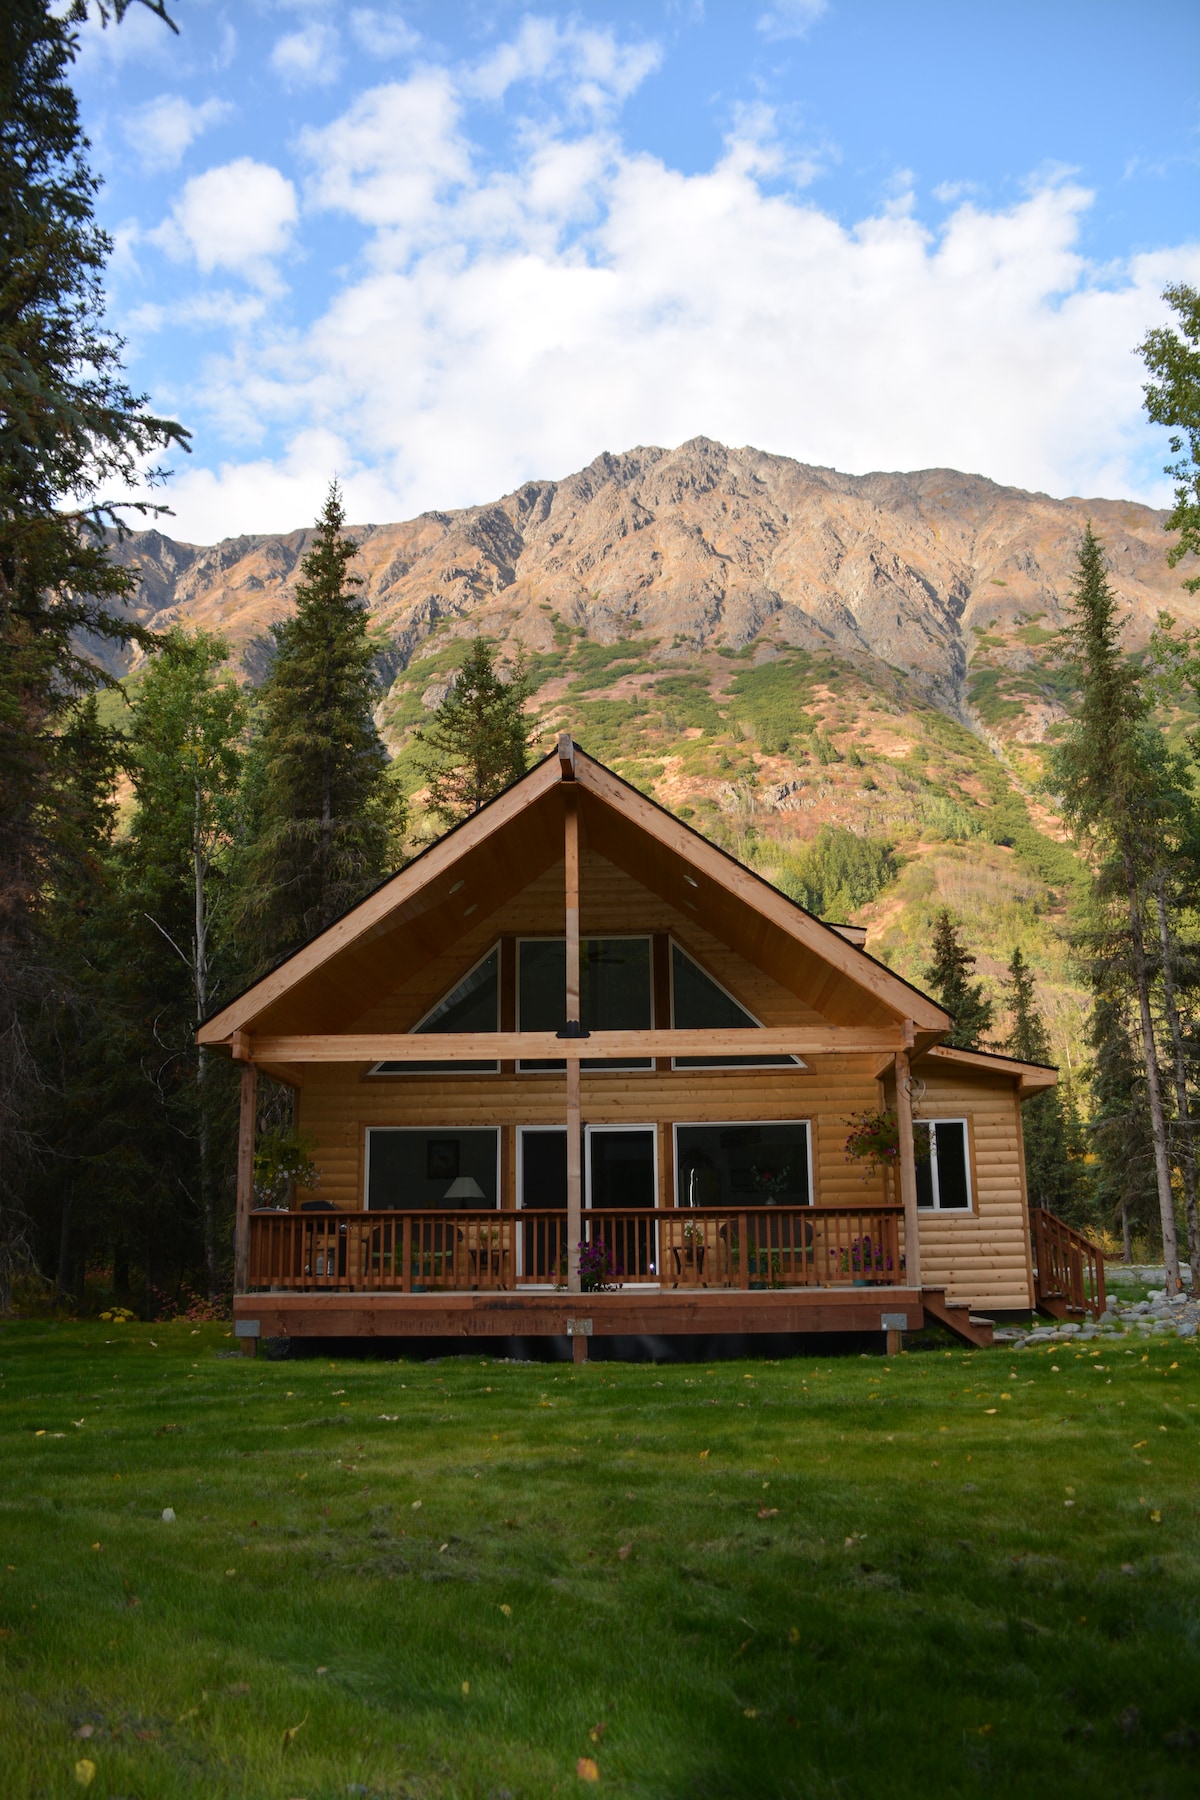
x=744, y=1164
x=944, y=1176
x=432, y=1168
x=473, y=1004
x=700, y=1003
x=615, y=991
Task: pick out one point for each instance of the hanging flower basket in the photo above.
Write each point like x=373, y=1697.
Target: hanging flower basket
x=874, y=1139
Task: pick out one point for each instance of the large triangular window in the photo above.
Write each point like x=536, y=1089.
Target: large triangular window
x=700, y=1003
x=474, y=1005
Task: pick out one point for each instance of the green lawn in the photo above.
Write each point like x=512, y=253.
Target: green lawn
x=949, y=1574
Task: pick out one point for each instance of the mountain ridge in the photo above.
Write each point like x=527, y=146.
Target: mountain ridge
x=699, y=546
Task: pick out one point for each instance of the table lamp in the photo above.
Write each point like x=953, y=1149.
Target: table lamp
x=464, y=1189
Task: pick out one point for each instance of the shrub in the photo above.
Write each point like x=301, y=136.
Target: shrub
x=838, y=871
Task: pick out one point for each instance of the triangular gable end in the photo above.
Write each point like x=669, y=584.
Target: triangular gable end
x=482, y=863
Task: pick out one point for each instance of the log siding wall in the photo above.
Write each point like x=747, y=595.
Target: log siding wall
x=982, y=1257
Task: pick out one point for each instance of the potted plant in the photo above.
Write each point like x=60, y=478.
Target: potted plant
x=595, y=1267
x=874, y=1139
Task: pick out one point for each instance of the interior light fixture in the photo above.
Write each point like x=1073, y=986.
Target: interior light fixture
x=690, y=882
x=470, y=910
x=457, y=885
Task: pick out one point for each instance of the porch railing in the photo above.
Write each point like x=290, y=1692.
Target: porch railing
x=1068, y=1268
x=488, y=1252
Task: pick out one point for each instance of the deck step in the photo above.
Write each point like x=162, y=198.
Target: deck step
x=957, y=1317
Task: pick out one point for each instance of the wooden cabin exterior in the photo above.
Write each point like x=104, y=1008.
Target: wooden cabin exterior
x=576, y=1072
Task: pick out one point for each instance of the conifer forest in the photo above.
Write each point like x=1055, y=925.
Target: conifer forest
x=166, y=840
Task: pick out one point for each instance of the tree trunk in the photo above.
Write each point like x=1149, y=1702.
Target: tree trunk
x=208, y=1210
x=1187, y=1154
x=1158, y=1122
x=62, y=1279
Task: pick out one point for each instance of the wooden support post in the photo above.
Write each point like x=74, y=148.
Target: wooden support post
x=579, y=1349
x=571, y=859
x=895, y=1342
x=908, y=1167
x=574, y=1175
x=574, y=1122
x=245, y=1178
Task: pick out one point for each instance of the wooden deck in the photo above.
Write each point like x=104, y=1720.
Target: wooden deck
x=631, y=1312
x=646, y=1272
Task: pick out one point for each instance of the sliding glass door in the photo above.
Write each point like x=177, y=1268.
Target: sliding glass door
x=621, y=1177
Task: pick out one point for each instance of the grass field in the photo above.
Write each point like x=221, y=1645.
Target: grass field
x=948, y=1574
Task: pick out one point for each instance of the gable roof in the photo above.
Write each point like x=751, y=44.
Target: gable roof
x=486, y=860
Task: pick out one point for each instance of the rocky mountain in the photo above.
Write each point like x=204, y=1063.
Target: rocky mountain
x=769, y=648
x=705, y=547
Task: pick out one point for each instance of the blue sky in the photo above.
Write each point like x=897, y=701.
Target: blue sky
x=441, y=248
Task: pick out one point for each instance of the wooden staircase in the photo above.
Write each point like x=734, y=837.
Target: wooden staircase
x=1068, y=1269
x=957, y=1317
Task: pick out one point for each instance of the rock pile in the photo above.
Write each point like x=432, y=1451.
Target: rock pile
x=1157, y=1316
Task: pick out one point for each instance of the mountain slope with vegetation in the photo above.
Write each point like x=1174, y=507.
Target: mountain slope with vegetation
x=796, y=661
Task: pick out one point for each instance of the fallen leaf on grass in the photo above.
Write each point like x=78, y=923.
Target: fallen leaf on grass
x=625, y=1552
x=597, y=1732
x=794, y=1635
x=587, y=1769
x=86, y=1731
x=85, y=1771
x=506, y=1609
x=1141, y=1444
x=1128, y=1569
x=703, y=1454
x=1156, y=1518
x=768, y=1512
x=146, y=1737
x=466, y=1688
x=749, y=1712
x=290, y=1734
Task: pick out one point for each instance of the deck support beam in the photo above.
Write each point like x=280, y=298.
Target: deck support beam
x=245, y=1178
x=574, y=1122
x=908, y=1165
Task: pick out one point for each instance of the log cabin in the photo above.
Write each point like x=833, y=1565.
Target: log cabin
x=576, y=1074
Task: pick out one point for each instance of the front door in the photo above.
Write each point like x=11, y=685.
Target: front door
x=621, y=1179
x=542, y=1197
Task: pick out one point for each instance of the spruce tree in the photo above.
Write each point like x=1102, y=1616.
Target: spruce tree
x=476, y=744
x=69, y=427
x=949, y=979
x=1122, y=1149
x=1109, y=774
x=325, y=816
x=1050, y=1177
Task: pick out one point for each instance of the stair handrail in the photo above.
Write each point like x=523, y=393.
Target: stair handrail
x=1066, y=1262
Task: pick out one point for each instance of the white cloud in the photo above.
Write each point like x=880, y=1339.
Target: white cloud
x=593, y=69
x=310, y=57
x=791, y=18
x=238, y=216
x=393, y=155
x=513, y=320
x=162, y=129
x=383, y=33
